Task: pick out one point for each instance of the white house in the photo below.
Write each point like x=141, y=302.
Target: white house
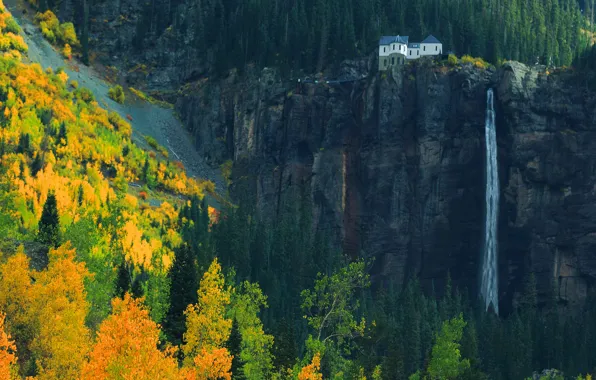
x=394, y=50
x=431, y=46
x=413, y=51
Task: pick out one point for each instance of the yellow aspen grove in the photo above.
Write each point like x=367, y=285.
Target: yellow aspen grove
x=126, y=347
x=15, y=301
x=60, y=305
x=207, y=328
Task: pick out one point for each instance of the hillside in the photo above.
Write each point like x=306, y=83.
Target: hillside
x=353, y=245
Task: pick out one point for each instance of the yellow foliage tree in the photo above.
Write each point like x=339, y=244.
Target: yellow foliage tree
x=8, y=358
x=127, y=347
x=61, y=307
x=207, y=328
x=15, y=301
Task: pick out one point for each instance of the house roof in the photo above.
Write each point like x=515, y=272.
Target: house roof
x=431, y=40
x=414, y=45
x=386, y=40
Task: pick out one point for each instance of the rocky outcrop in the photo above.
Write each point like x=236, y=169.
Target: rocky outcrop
x=548, y=220
x=394, y=165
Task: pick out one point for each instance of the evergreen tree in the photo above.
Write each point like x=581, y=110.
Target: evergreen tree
x=62, y=138
x=183, y=292
x=233, y=346
x=122, y=279
x=49, y=224
x=284, y=347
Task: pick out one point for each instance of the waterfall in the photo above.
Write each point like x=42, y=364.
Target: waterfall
x=489, y=287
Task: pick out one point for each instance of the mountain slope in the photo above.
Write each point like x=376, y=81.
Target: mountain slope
x=147, y=118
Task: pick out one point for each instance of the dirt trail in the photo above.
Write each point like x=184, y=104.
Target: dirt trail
x=147, y=119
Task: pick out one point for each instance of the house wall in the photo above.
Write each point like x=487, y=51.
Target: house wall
x=398, y=48
x=414, y=53
x=385, y=62
x=384, y=50
x=431, y=49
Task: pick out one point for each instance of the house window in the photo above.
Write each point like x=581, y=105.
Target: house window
x=385, y=61
x=424, y=48
x=410, y=52
x=393, y=47
x=384, y=49
x=418, y=52
x=393, y=60
x=436, y=48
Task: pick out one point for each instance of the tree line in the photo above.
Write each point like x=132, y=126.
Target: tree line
x=311, y=35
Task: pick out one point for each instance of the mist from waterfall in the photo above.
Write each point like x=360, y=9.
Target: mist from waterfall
x=489, y=286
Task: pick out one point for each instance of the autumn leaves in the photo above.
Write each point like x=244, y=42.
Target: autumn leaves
x=46, y=311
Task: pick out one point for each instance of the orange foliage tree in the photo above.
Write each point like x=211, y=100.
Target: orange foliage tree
x=7, y=352
x=312, y=371
x=207, y=328
x=126, y=347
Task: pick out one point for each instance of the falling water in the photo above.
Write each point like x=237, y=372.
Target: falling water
x=489, y=288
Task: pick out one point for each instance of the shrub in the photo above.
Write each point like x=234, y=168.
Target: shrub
x=116, y=93
x=68, y=34
x=141, y=95
x=467, y=59
x=452, y=60
x=119, y=124
x=477, y=62
x=55, y=32
x=163, y=151
x=12, y=26
x=48, y=34
x=152, y=142
x=84, y=94
x=67, y=51
x=226, y=171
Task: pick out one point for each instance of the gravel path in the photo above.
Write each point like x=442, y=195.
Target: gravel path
x=147, y=119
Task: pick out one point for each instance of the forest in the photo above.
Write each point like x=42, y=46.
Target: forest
x=312, y=35
x=113, y=266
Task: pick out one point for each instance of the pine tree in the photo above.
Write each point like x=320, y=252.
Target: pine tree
x=285, y=346
x=233, y=346
x=122, y=280
x=183, y=291
x=145, y=169
x=49, y=224
x=62, y=137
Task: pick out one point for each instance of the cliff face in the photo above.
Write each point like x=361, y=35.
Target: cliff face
x=548, y=126
x=394, y=165
x=152, y=42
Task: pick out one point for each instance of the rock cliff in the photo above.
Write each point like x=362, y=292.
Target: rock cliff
x=394, y=166
x=393, y=163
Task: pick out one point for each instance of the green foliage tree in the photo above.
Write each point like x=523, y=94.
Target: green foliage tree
x=331, y=310
x=256, y=345
x=446, y=361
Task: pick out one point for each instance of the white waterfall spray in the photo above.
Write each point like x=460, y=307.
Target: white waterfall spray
x=489, y=287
